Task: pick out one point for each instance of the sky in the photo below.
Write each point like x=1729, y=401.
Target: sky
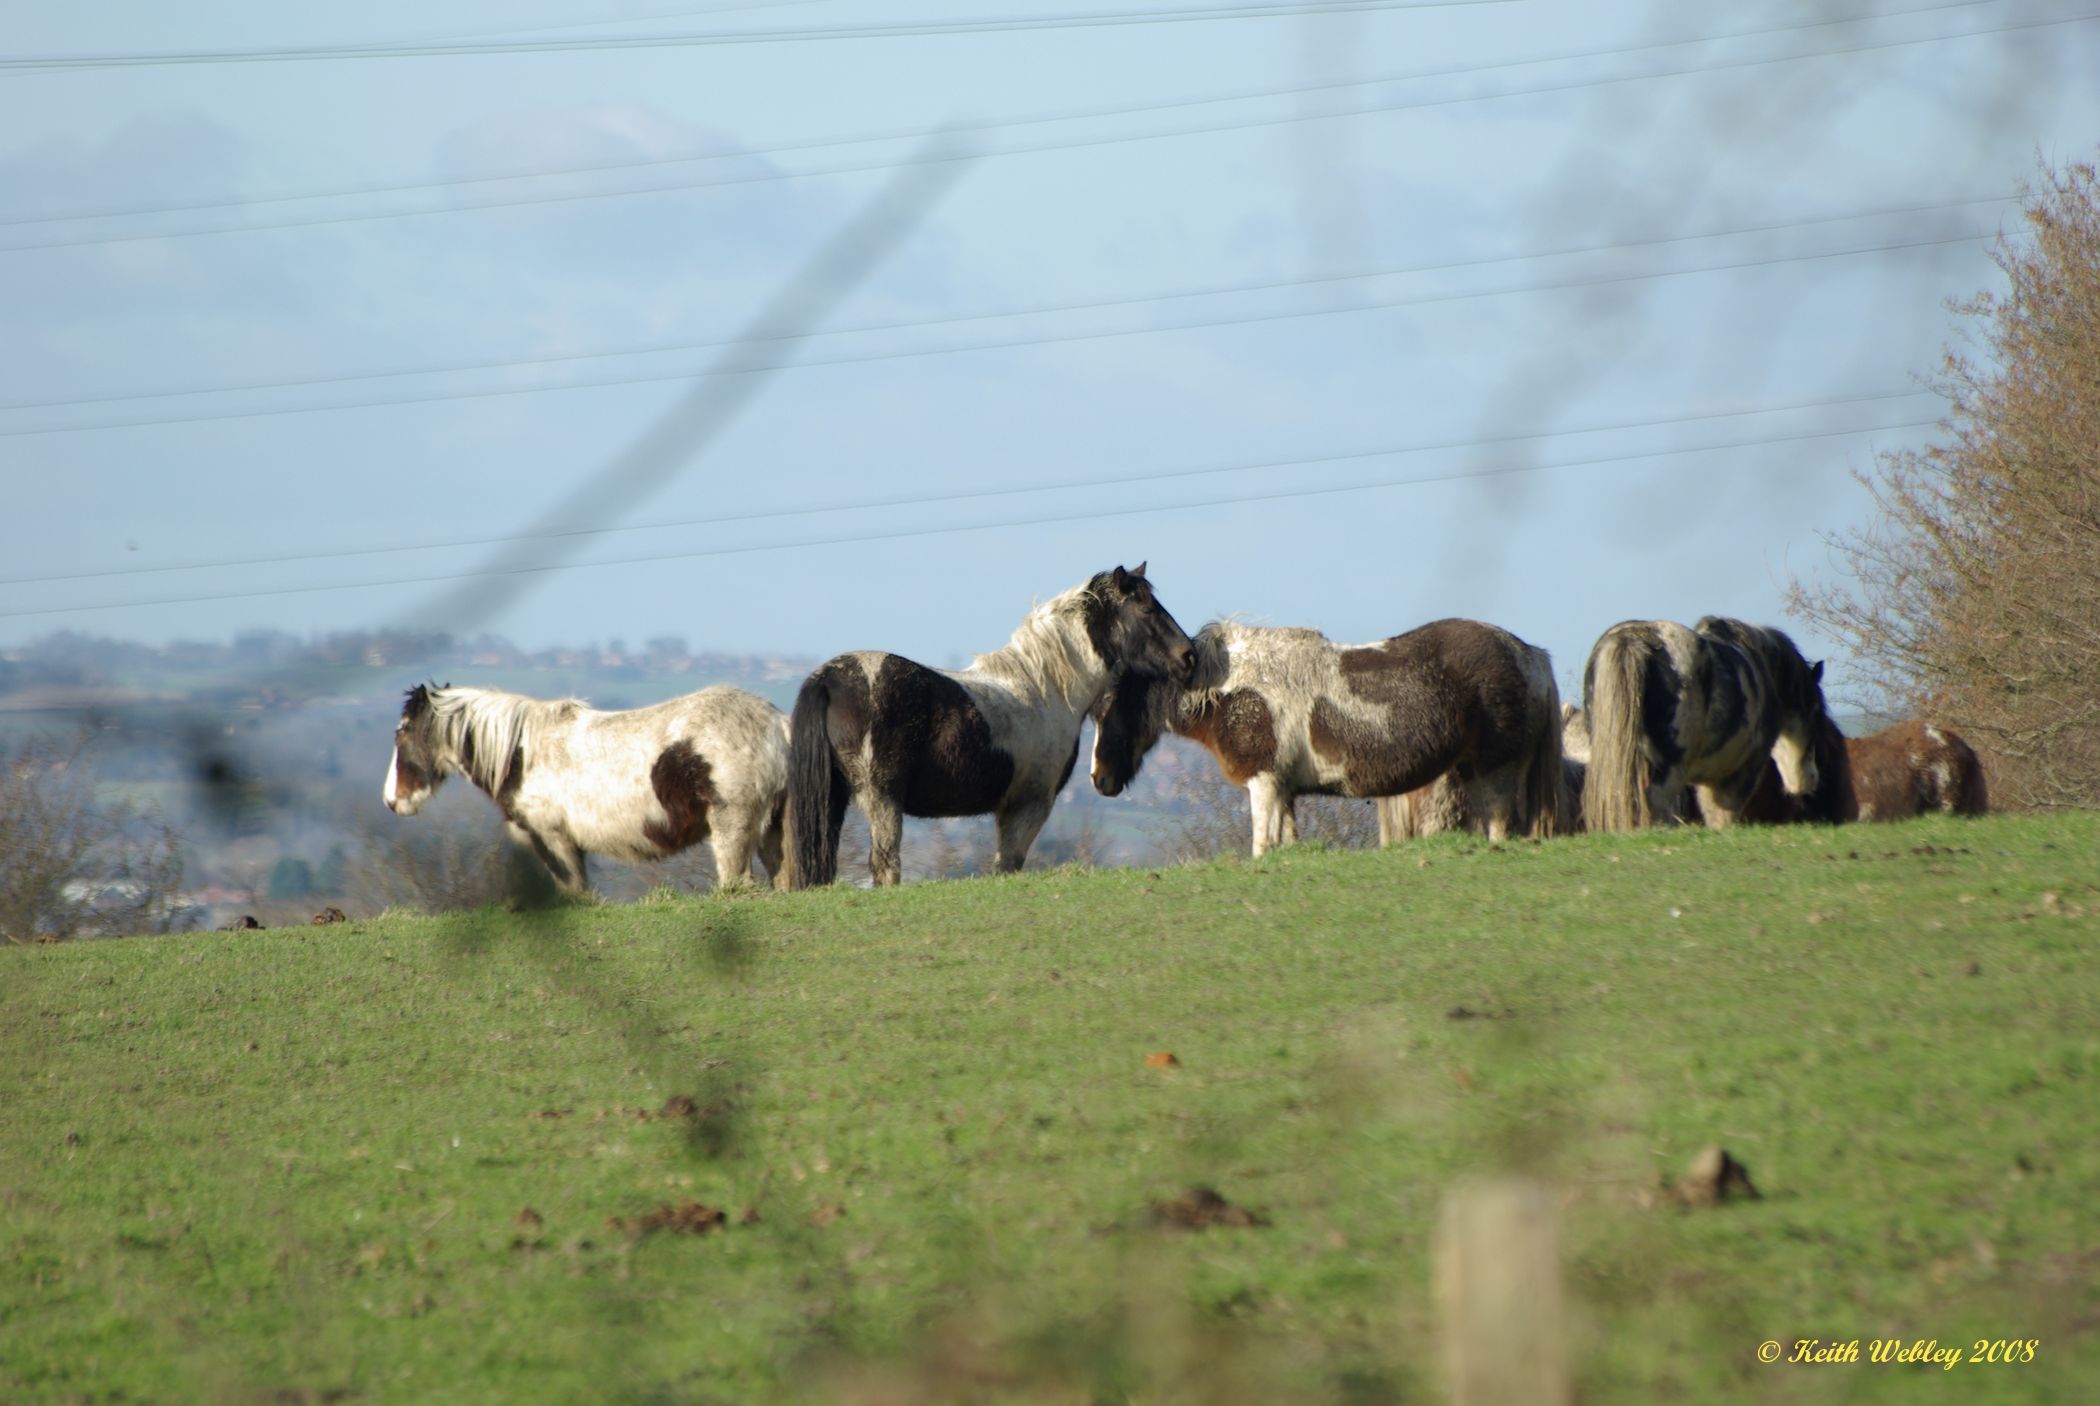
x=1351, y=314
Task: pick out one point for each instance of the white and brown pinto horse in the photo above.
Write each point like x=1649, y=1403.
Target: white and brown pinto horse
x=635, y=785
x=999, y=737
x=1916, y=767
x=1669, y=707
x=1289, y=713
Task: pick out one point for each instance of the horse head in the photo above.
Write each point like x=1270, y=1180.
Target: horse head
x=1128, y=721
x=418, y=767
x=1802, y=717
x=1130, y=629
x=1797, y=696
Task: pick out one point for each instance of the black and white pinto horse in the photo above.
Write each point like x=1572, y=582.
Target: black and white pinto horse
x=635, y=785
x=1289, y=713
x=999, y=737
x=1669, y=707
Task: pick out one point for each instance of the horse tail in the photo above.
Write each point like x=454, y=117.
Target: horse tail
x=813, y=856
x=1615, y=787
x=1396, y=819
x=1544, y=779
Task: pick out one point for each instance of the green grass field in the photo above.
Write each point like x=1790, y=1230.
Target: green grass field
x=294, y=1165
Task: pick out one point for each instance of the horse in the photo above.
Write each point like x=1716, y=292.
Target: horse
x=1915, y=767
x=1000, y=737
x=1831, y=801
x=635, y=785
x=1440, y=807
x=1670, y=707
x=1287, y=712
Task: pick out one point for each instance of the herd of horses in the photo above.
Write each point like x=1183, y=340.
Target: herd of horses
x=1457, y=725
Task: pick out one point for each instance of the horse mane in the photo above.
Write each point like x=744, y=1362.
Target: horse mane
x=1294, y=659
x=485, y=727
x=1050, y=653
x=1774, y=648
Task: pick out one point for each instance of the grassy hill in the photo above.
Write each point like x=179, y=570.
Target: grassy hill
x=379, y=1162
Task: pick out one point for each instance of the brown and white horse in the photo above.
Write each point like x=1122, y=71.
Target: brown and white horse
x=1915, y=767
x=1669, y=707
x=635, y=785
x=1289, y=713
x=1001, y=736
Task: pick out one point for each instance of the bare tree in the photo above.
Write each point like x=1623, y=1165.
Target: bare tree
x=73, y=865
x=1975, y=597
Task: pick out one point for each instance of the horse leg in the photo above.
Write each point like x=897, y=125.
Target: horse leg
x=1666, y=797
x=885, y=838
x=1389, y=829
x=1491, y=802
x=564, y=860
x=1268, y=804
x=1018, y=826
x=772, y=843
x=732, y=843
x=1290, y=820
x=1716, y=811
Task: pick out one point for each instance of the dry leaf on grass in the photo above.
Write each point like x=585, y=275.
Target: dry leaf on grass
x=1162, y=1059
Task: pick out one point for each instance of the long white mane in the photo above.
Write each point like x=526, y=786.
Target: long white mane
x=1050, y=654
x=480, y=729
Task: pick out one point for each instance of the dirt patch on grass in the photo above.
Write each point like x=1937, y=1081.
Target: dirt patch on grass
x=691, y=1218
x=1200, y=1208
x=1713, y=1177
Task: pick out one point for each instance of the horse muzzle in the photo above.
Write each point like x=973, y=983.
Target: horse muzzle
x=1107, y=785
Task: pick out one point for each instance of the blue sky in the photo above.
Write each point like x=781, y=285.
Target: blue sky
x=1770, y=242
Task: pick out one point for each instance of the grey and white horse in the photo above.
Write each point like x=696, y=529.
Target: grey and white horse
x=635, y=785
x=1289, y=713
x=1001, y=736
x=1670, y=707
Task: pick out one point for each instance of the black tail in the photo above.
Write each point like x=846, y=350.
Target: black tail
x=811, y=829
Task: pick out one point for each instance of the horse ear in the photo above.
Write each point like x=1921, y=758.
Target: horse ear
x=1138, y=571
x=1815, y=675
x=1119, y=577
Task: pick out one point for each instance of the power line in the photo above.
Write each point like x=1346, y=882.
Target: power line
x=1232, y=500
x=1242, y=95
x=915, y=133
x=686, y=12
x=1014, y=342
x=914, y=30
x=1039, y=310
x=1340, y=110
x=929, y=499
